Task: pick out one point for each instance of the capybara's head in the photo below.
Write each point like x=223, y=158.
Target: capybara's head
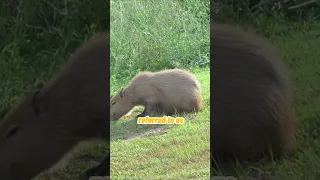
x=31, y=137
x=120, y=104
x=52, y=119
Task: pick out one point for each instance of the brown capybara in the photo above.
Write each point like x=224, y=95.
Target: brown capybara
x=251, y=101
x=167, y=91
x=49, y=122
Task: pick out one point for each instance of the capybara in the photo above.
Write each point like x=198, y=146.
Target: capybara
x=252, y=99
x=49, y=122
x=168, y=91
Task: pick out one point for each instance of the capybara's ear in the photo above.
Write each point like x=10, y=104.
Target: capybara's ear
x=121, y=93
x=39, y=100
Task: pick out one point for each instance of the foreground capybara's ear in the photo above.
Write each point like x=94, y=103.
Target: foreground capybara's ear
x=121, y=93
x=39, y=100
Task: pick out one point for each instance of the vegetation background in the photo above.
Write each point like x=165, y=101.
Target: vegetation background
x=36, y=39
x=38, y=36
x=157, y=35
x=293, y=27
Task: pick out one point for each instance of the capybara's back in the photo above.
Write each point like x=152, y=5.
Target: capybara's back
x=179, y=89
x=252, y=113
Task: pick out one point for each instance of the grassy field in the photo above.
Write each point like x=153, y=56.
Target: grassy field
x=163, y=151
x=155, y=35
x=298, y=43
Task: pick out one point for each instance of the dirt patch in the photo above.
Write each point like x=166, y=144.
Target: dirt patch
x=151, y=132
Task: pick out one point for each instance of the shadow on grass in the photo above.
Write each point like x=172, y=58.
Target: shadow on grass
x=127, y=127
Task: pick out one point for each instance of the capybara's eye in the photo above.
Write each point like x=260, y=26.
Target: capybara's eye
x=113, y=114
x=12, y=131
x=113, y=103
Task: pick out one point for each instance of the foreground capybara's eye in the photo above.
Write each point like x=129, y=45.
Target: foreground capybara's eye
x=113, y=103
x=12, y=131
x=113, y=114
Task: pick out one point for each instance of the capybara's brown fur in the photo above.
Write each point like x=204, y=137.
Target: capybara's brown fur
x=252, y=112
x=49, y=122
x=167, y=91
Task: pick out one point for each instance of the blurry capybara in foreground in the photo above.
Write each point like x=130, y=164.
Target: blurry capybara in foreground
x=49, y=122
x=251, y=102
x=168, y=91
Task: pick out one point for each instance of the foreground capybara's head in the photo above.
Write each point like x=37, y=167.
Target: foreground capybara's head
x=32, y=137
x=52, y=119
x=120, y=104
x=22, y=135
x=37, y=132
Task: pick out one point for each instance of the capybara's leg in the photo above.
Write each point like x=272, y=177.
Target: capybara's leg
x=149, y=110
x=102, y=169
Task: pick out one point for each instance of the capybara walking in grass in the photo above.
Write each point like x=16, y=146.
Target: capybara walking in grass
x=167, y=91
x=50, y=121
x=251, y=102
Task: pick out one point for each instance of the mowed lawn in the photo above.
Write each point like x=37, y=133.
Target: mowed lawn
x=299, y=44
x=163, y=151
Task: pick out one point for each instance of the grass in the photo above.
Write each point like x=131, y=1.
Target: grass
x=155, y=35
x=37, y=37
x=163, y=151
x=298, y=43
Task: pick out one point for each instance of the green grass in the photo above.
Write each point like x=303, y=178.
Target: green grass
x=163, y=151
x=154, y=35
x=157, y=34
x=37, y=37
x=298, y=43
